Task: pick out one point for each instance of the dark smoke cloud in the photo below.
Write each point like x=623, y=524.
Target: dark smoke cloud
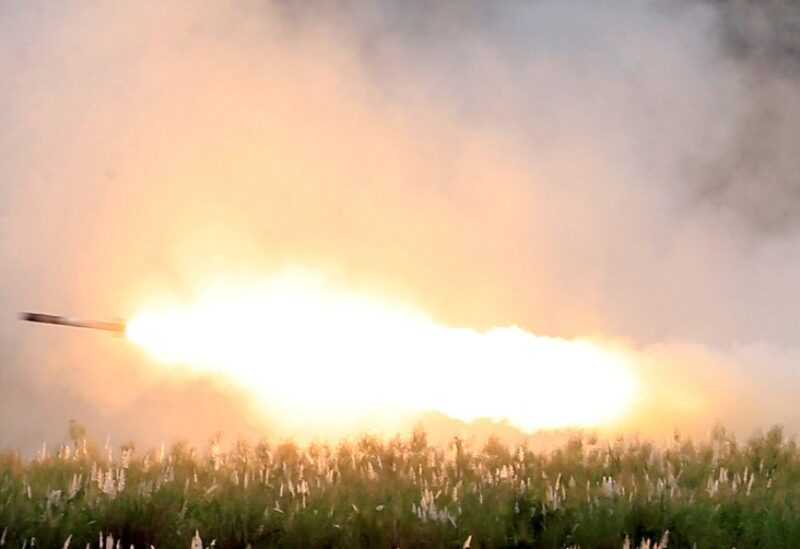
x=756, y=171
x=579, y=168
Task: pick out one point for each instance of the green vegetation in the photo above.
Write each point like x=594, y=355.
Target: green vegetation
x=407, y=493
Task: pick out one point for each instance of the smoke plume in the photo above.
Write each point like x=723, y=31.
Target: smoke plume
x=620, y=171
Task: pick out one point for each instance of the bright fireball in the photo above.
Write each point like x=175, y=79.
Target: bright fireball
x=314, y=352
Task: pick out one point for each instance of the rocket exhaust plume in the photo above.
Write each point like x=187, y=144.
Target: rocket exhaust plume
x=118, y=327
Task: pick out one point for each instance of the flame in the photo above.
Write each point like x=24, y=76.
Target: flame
x=322, y=355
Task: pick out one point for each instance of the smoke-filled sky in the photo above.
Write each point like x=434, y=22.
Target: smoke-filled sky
x=627, y=172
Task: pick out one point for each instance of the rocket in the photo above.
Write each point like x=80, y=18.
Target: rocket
x=117, y=327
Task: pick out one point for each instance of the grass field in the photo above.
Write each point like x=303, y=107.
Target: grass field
x=407, y=493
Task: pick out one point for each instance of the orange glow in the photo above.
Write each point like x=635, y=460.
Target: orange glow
x=321, y=355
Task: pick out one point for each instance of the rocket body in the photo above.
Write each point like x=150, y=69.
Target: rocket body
x=118, y=327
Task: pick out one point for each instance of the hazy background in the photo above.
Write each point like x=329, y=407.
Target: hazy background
x=627, y=171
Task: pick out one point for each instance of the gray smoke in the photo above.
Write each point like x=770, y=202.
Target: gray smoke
x=756, y=171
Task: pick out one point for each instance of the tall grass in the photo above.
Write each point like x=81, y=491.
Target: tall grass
x=405, y=492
